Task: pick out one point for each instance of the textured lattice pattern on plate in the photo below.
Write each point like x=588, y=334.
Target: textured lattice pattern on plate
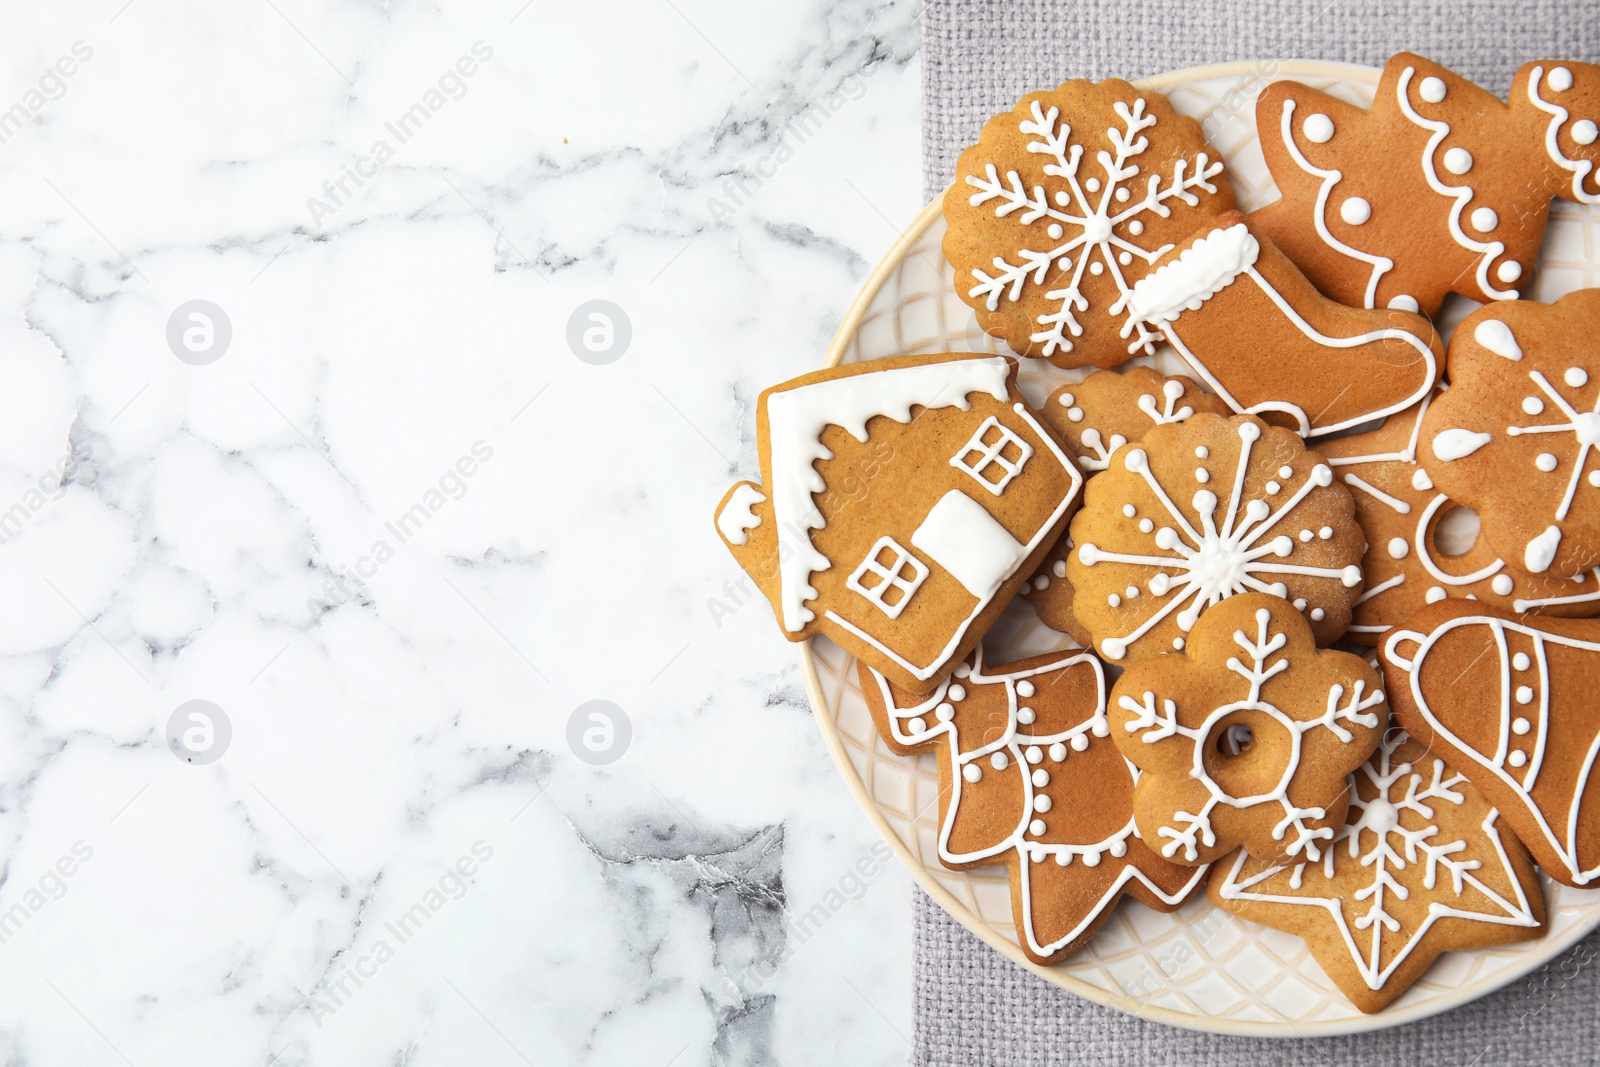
x=1214, y=970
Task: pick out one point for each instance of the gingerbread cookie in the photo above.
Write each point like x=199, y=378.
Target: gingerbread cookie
x=1514, y=436
x=1203, y=510
x=1028, y=779
x=1108, y=409
x=1510, y=701
x=1256, y=331
x=1401, y=512
x=1423, y=867
x=1245, y=739
x=927, y=480
x=1438, y=188
x=1063, y=204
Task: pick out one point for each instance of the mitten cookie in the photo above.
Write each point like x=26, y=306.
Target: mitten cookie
x=1200, y=511
x=1514, y=436
x=1027, y=778
x=1400, y=511
x=1246, y=738
x=1438, y=188
x=926, y=479
x=1094, y=418
x=1512, y=703
x=1063, y=204
x=1423, y=867
x=1260, y=334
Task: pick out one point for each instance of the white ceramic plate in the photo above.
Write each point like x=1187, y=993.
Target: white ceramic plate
x=1197, y=967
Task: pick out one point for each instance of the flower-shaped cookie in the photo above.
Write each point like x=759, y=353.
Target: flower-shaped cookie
x=1424, y=866
x=1515, y=435
x=1200, y=511
x=1246, y=738
x=1028, y=778
x=1063, y=204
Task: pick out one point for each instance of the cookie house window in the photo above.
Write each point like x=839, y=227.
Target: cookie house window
x=994, y=456
x=888, y=576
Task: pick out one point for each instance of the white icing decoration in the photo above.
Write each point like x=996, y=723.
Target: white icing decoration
x=1318, y=128
x=1457, y=443
x=1435, y=595
x=1584, y=131
x=1010, y=745
x=1484, y=219
x=1096, y=227
x=1194, y=829
x=1497, y=337
x=1541, y=551
x=1215, y=562
x=1380, y=264
x=1576, y=377
x=1585, y=429
x=738, y=517
x=1546, y=462
x=1356, y=210
x=1461, y=194
x=1560, y=79
x=1425, y=556
x=1404, y=303
x=1521, y=662
x=1509, y=271
x=1579, y=168
x=1420, y=480
x=1432, y=89
x=1502, y=584
x=1398, y=548
x=1401, y=790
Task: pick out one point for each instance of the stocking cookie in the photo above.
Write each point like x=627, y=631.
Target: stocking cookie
x=1515, y=435
x=1200, y=511
x=1063, y=204
x=1438, y=188
x=926, y=479
x=1029, y=779
x=1256, y=331
x=1423, y=867
x=1401, y=512
x=1245, y=739
x=1510, y=701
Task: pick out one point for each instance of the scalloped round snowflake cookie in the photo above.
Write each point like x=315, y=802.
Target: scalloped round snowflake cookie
x=1063, y=204
x=1245, y=739
x=1201, y=511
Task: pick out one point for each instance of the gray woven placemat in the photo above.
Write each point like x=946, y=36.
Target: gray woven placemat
x=973, y=1007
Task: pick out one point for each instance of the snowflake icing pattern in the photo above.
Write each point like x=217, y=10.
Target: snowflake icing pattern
x=1583, y=425
x=1195, y=828
x=1216, y=562
x=1090, y=211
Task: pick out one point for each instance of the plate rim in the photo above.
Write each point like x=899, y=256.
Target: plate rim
x=1551, y=947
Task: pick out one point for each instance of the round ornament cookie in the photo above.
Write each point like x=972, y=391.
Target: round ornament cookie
x=1515, y=435
x=1246, y=737
x=1063, y=204
x=1201, y=511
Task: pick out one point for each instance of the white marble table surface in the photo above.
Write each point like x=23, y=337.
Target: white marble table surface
x=397, y=531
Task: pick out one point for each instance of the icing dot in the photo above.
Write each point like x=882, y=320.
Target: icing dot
x=1519, y=725
x=1034, y=754
x=1025, y=688
x=1521, y=661
x=1484, y=219
x=1041, y=804
x=1584, y=131
x=1502, y=584
x=1042, y=582
x=1129, y=510
x=917, y=726
x=1524, y=694
x=1398, y=547
x=1279, y=589
x=1405, y=303
x=1202, y=475
x=1300, y=603
x=1145, y=525
x=1091, y=859
x=1037, y=829
x=1041, y=778
x=1318, y=128
x=1135, y=227
x=1055, y=231
x=1509, y=271
x=963, y=669
x=1177, y=644
x=1594, y=477
x=1432, y=89
x=1436, y=594
x=1560, y=79
x=956, y=693
x=1518, y=759
x=1545, y=462
x=1532, y=405
x=1093, y=185
x=1132, y=592
x=1420, y=480
x=1059, y=568
x=1317, y=614
x=1273, y=488
x=1079, y=743
x=1075, y=414
x=972, y=772
x=1306, y=535
x=1062, y=199
x=1026, y=716
x=1114, y=600
x=1097, y=268
x=1063, y=858
x=1325, y=533
x=1124, y=257
x=999, y=761
x=1122, y=194
x=945, y=712
x=1119, y=849
x=1036, y=854
x=1202, y=452
x=1355, y=210
x=1576, y=377
x=1058, y=752
x=1458, y=161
